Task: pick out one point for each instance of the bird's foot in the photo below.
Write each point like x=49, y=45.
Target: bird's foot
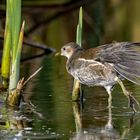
x=132, y=102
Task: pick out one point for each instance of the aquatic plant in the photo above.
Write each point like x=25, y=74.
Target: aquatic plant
x=13, y=38
x=77, y=92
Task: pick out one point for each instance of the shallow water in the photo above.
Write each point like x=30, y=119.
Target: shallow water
x=50, y=92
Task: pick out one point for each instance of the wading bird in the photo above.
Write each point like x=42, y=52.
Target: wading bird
x=105, y=65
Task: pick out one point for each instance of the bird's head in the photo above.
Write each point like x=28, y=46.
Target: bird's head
x=68, y=49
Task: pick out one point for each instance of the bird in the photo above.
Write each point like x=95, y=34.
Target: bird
x=105, y=65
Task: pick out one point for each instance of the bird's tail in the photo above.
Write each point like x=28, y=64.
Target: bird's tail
x=129, y=65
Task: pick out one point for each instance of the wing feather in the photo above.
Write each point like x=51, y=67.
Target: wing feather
x=125, y=58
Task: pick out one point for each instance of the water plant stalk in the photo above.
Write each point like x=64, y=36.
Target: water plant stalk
x=76, y=93
x=15, y=66
x=12, y=42
x=5, y=67
x=12, y=49
x=17, y=37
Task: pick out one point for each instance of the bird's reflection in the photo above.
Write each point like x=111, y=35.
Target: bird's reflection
x=106, y=132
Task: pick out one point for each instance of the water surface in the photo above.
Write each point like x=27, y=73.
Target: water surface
x=63, y=119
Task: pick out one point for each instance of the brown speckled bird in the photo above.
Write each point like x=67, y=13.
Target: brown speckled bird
x=105, y=65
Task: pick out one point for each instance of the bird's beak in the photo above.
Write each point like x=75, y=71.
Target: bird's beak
x=62, y=54
x=57, y=54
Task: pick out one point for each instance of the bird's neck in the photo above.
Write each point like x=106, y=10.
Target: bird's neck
x=75, y=54
x=72, y=59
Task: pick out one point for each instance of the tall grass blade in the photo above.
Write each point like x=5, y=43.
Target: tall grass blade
x=16, y=24
x=11, y=37
x=5, y=67
x=76, y=93
x=15, y=68
x=79, y=28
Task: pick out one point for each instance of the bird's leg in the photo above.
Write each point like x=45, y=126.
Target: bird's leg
x=108, y=89
x=131, y=100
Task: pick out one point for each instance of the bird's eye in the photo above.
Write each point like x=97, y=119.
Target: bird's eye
x=64, y=49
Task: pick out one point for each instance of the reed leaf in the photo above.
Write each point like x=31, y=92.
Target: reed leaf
x=79, y=28
x=15, y=68
x=11, y=37
x=16, y=24
x=76, y=93
x=5, y=67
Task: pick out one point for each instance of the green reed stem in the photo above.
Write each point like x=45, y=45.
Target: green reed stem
x=76, y=93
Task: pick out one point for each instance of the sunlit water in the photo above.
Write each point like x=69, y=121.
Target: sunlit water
x=57, y=117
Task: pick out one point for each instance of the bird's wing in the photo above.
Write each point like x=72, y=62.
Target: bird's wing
x=125, y=58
